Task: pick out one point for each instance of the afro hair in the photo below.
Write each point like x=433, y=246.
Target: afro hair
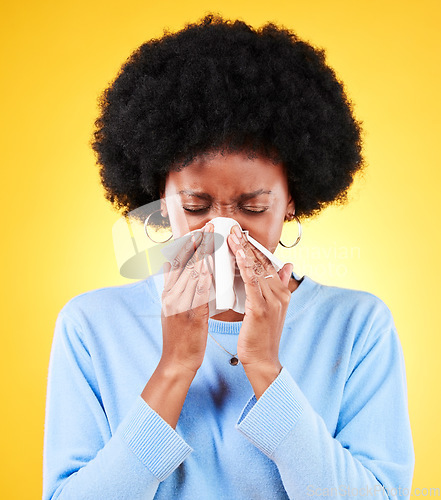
x=220, y=85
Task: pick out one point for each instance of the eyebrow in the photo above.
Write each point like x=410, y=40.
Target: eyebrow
x=243, y=196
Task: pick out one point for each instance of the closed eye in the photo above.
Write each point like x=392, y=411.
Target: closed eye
x=245, y=209
x=254, y=211
x=195, y=209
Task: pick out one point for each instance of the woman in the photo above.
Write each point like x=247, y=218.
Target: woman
x=220, y=120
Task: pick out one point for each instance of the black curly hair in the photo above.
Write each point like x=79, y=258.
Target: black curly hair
x=220, y=85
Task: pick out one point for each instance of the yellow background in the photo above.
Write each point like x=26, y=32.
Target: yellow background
x=56, y=233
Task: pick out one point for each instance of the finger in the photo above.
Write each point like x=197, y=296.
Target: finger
x=252, y=286
x=180, y=261
x=192, y=268
x=207, y=244
x=272, y=282
x=261, y=266
x=202, y=291
x=285, y=273
x=185, y=288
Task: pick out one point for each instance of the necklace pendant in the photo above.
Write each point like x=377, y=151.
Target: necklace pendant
x=234, y=361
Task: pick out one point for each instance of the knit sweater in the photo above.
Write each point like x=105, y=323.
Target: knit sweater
x=333, y=423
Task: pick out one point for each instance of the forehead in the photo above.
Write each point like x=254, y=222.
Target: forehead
x=230, y=173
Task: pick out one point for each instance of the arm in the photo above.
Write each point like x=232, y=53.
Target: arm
x=166, y=391
x=82, y=459
x=372, y=445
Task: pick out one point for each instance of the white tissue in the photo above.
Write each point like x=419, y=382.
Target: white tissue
x=227, y=290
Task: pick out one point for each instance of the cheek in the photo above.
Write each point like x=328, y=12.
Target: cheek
x=178, y=221
x=183, y=223
x=267, y=232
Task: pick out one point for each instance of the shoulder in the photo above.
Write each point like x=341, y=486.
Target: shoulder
x=354, y=320
x=113, y=301
x=366, y=318
x=343, y=299
x=352, y=298
x=357, y=310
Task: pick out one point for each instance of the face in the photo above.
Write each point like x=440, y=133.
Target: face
x=254, y=192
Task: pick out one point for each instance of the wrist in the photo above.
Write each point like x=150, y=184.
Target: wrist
x=166, y=390
x=175, y=371
x=262, y=375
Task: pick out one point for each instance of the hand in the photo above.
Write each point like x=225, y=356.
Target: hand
x=267, y=301
x=184, y=313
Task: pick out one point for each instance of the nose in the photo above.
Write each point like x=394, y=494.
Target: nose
x=225, y=212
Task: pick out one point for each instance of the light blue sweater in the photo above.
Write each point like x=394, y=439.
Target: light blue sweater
x=333, y=423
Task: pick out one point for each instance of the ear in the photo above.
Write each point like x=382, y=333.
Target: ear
x=164, y=211
x=290, y=209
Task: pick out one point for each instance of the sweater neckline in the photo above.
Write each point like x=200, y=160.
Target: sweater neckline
x=301, y=298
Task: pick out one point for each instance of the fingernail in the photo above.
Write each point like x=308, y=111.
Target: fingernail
x=235, y=239
x=237, y=231
x=241, y=253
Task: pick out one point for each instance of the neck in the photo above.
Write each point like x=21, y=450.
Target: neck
x=231, y=315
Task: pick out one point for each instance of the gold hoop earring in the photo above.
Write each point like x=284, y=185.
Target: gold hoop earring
x=146, y=223
x=298, y=237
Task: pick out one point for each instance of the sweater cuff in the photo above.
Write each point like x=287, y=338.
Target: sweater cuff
x=267, y=421
x=156, y=444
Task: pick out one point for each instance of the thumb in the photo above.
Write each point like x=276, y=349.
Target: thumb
x=285, y=273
